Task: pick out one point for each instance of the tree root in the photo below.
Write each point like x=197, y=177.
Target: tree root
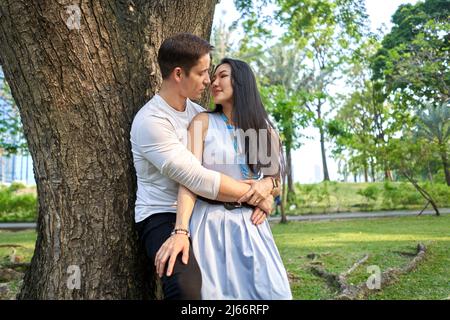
x=11, y=246
x=348, y=291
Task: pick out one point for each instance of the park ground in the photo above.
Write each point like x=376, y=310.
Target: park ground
x=335, y=246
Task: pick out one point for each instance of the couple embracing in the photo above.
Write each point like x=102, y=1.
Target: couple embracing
x=207, y=179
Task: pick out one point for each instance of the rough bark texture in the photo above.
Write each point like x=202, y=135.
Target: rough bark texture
x=78, y=91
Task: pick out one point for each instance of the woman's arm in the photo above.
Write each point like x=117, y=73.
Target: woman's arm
x=179, y=242
x=186, y=199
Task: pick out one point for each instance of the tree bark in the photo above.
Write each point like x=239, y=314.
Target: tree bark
x=372, y=169
x=290, y=179
x=283, y=201
x=388, y=174
x=78, y=91
x=326, y=176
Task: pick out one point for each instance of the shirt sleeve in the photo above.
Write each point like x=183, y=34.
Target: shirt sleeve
x=158, y=142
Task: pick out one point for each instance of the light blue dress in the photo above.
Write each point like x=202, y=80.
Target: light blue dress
x=238, y=260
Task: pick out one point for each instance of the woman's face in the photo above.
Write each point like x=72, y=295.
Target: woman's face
x=221, y=88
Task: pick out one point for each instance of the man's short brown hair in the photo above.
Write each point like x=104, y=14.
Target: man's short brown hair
x=181, y=50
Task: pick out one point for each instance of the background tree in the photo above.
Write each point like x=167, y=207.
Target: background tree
x=324, y=31
x=365, y=122
x=433, y=123
x=406, y=155
x=411, y=69
x=79, y=71
x=284, y=95
x=413, y=62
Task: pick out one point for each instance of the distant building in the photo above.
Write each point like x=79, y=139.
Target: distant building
x=17, y=168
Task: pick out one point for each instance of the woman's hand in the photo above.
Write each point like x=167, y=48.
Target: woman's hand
x=263, y=210
x=259, y=191
x=258, y=216
x=169, y=251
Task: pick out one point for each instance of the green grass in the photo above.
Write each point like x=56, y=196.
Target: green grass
x=341, y=243
x=26, y=239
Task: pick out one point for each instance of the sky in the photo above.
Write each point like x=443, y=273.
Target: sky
x=307, y=163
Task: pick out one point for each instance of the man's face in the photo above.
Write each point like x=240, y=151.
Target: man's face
x=194, y=85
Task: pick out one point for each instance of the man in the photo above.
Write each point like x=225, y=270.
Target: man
x=162, y=162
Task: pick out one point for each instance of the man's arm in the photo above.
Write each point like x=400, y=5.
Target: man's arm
x=158, y=142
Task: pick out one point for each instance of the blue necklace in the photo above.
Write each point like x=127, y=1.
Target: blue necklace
x=243, y=166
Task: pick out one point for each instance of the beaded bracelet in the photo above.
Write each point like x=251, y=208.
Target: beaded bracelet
x=180, y=231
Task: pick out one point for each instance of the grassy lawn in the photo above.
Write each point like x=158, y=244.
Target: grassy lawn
x=339, y=244
x=26, y=239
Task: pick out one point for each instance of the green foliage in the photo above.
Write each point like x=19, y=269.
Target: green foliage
x=14, y=186
x=370, y=193
x=413, y=62
x=440, y=193
x=349, y=197
x=17, y=207
x=434, y=122
x=401, y=195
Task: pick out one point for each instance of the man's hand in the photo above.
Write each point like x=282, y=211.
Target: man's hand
x=169, y=251
x=260, y=190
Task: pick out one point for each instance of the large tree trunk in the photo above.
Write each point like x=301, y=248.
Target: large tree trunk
x=78, y=91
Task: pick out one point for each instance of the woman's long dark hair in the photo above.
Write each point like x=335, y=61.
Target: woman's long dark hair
x=249, y=111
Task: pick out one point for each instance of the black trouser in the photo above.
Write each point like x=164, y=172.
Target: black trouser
x=185, y=282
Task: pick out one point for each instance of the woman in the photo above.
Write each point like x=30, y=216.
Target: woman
x=238, y=259
x=235, y=251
